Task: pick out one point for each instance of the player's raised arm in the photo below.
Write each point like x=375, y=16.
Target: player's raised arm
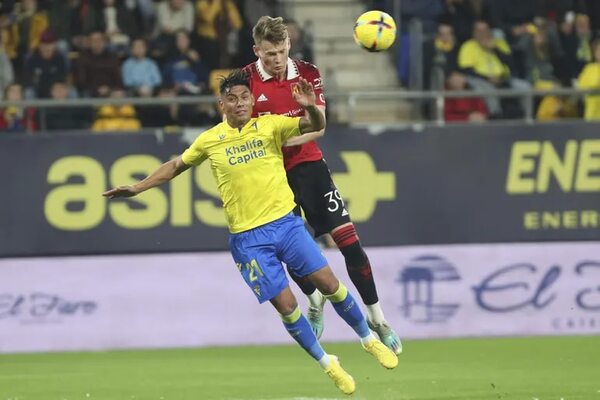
x=164, y=173
x=304, y=94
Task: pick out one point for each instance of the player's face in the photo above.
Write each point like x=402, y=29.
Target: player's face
x=237, y=105
x=273, y=56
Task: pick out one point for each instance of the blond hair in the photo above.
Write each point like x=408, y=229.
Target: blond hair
x=271, y=29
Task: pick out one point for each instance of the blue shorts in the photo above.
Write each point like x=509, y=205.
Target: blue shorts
x=259, y=252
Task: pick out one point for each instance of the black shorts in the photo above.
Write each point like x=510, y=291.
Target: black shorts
x=316, y=193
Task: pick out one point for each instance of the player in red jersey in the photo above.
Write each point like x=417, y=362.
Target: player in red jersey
x=272, y=78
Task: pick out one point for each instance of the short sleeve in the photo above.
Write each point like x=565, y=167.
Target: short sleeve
x=285, y=127
x=313, y=76
x=195, y=154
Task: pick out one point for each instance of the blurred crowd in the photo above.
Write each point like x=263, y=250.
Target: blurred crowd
x=62, y=49
x=482, y=45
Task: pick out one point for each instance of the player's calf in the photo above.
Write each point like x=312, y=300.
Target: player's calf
x=361, y=275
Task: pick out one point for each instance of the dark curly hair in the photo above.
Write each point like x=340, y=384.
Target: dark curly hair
x=235, y=78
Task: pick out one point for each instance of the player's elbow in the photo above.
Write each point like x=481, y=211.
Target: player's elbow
x=319, y=126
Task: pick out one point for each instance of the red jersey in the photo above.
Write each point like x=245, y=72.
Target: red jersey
x=275, y=97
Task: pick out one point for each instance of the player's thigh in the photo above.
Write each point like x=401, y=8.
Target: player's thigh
x=256, y=260
x=297, y=248
x=323, y=205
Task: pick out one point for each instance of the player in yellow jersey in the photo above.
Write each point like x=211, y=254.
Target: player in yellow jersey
x=247, y=163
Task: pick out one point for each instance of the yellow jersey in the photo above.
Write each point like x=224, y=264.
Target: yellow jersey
x=247, y=164
x=590, y=79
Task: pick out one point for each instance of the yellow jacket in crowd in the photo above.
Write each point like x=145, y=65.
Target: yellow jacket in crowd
x=11, y=35
x=207, y=12
x=590, y=79
x=483, y=61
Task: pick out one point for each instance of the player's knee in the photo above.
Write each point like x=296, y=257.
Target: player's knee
x=285, y=302
x=345, y=236
x=328, y=286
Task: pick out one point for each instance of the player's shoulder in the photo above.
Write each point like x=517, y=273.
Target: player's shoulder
x=210, y=134
x=304, y=67
x=250, y=69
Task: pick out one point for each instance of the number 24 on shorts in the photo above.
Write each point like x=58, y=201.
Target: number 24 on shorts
x=253, y=269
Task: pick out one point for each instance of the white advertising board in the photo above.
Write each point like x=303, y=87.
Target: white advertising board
x=199, y=299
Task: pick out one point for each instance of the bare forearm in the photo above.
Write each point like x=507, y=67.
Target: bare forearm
x=314, y=122
x=307, y=137
x=164, y=173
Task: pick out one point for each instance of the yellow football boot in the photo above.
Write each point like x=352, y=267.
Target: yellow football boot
x=343, y=380
x=384, y=355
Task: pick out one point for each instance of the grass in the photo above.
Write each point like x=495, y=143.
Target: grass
x=550, y=368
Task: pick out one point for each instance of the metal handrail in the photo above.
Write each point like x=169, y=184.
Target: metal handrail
x=351, y=98
x=367, y=94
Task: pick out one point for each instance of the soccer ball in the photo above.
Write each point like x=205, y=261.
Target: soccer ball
x=375, y=31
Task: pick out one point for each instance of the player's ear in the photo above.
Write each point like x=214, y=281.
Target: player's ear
x=255, y=49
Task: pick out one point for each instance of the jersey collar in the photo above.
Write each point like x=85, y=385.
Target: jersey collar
x=292, y=70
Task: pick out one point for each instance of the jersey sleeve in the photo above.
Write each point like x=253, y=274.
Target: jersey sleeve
x=312, y=75
x=285, y=127
x=195, y=154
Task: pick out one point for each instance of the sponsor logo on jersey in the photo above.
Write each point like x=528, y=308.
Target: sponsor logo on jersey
x=262, y=97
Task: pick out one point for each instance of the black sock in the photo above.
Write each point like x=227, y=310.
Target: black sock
x=359, y=270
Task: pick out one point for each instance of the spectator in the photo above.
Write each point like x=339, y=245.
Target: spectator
x=441, y=54
x=86, y=17
x=592, y=10
x=590, y=79
x=6, y=70
x=26, y=31
x=172, y=16
x=44, y=67
x=487, y=63
x=540, y=56
x=98, y=69
x=116, y=118
x=175, y=15
x=218, y=23
x=463, y=109
x=514, y=18
x=66, y=118
x=15, y=118
x=60, y=18
x=140, y=73
x=462, y=14
x=120, y=24
x=184, y=69
x=299, y=49
x=576, y=36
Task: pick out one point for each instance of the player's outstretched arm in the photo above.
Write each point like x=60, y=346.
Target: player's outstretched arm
x=164, y=173
x=304, y=94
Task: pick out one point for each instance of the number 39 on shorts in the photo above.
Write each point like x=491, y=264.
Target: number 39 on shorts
x=335, y=201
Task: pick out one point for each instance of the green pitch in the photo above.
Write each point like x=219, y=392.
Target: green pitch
x=474, y=369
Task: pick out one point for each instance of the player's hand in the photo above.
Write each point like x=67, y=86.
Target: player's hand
x=304, y=93
x=121, y=191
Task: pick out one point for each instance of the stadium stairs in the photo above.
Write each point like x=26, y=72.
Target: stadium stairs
x=345, y=66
